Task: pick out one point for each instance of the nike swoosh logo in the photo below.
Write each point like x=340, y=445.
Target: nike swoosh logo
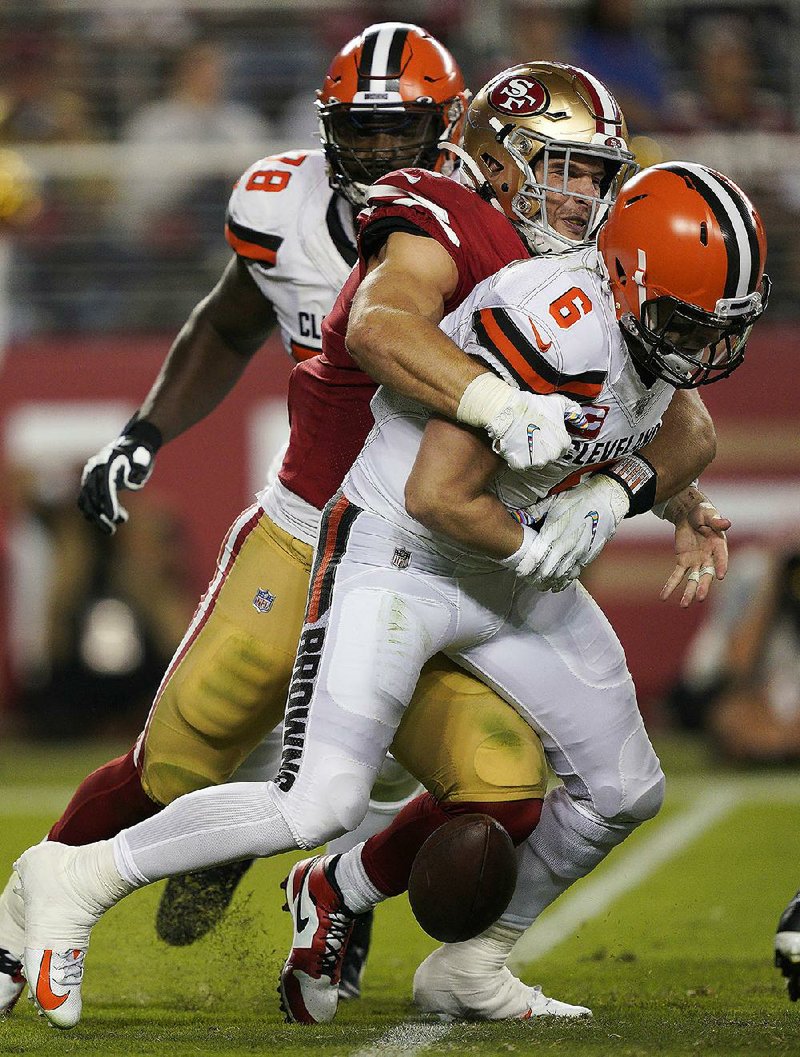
x=299, y=919
x=594, y=519
x=531, y=430
x=45, y=996
x=543, y=345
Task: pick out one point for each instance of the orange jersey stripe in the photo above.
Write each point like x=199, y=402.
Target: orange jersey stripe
x=332, y=529
x=303, y=352
x=250, y=250
x=520, y=365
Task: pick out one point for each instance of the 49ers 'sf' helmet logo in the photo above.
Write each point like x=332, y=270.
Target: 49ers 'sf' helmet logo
x=519, y=95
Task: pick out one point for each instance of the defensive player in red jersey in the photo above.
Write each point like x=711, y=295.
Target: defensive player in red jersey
x=178, y=833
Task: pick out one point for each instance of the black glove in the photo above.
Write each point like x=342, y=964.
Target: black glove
x=126, y=462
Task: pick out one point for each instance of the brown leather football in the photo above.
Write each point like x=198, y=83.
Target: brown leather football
x=463, y=878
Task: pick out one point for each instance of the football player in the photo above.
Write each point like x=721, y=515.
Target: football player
x=308, y=800
x=787, y=947
x=388, y=99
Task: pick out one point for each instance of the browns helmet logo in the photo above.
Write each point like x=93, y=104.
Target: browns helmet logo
x=519, y=95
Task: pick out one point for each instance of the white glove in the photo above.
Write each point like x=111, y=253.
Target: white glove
x=579, y=523
x=126, y=462
x=527, y=429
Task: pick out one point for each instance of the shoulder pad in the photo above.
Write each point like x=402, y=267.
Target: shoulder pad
x=548, y=337
x=266, y=201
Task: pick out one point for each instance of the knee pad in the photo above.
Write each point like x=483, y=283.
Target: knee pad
x=213, y=710
x=649, y=802
x=393, y=788
x=334, y=801
x=466, y=744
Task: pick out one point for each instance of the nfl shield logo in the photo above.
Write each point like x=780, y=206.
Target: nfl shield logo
x=263, y=601
x=401, y=558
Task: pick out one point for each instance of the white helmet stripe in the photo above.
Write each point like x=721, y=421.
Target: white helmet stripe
x=383, y=52
x=609, y=119
x=744, y=238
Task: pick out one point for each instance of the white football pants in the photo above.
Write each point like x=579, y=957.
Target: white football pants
x=377, y=612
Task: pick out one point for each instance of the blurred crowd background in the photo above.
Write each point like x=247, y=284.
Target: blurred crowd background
x=122, y=127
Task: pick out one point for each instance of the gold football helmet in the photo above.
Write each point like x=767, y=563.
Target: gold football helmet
x=524, y=117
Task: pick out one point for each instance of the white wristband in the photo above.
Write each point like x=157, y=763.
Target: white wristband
x=514, y=561
x=483, y=399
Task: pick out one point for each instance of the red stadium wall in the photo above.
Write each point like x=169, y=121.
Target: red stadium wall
x=204, y=475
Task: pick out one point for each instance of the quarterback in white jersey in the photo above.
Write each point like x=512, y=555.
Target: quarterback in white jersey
x=515, y=322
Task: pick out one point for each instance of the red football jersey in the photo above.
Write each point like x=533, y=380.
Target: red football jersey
x=329, y=396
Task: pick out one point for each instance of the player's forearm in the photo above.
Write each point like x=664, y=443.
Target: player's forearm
x=481, y=524
x=447, y=491
x=410, y=354
x=684, y=446
x=210, y=353
x=198, y=373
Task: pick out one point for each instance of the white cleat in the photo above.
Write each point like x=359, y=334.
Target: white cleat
x=787, y=947
x=455, y=993
x=55, y=984
x=12, y=943
x=58, y=920
x=11, y=980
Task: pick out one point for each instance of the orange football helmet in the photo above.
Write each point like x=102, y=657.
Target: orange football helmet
x=522, y=120
x=685, y=251
x=390, y=97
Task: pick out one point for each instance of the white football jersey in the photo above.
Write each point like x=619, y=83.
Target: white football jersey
x=548, y=325
x=298, y=240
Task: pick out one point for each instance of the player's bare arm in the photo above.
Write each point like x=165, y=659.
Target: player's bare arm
x=684, y=446
x=447, y=492
x=210, y=353
x=206, y=360
x=393, y=333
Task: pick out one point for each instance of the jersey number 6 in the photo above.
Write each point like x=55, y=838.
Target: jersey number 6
x=570, y=307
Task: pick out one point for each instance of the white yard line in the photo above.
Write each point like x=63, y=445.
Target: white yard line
x=405, y=1040
x=628, y=870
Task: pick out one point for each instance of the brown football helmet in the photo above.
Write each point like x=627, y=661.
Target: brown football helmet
x=685, y=252
x=390, y=97
x=517, y=123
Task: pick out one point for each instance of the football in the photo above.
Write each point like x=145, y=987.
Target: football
x=463, y=878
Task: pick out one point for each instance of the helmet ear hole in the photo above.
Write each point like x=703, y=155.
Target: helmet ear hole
x=492, y=164
x=623, y=278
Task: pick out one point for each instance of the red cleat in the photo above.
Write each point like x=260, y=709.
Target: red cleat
x=309, y=986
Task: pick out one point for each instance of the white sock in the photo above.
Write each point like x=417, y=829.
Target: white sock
x=358, y=892
x=485, y=954
x=240, y=820
x=567, y=844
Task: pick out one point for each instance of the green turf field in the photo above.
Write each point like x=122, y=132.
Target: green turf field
x=669, y=942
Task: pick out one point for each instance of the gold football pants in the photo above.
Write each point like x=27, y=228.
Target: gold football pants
x=226, y=689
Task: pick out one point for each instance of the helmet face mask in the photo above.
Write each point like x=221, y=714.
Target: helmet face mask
x=364, y=143
x=524, y=120
x=393, y=98
x=686, y=346
x=684, y=251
